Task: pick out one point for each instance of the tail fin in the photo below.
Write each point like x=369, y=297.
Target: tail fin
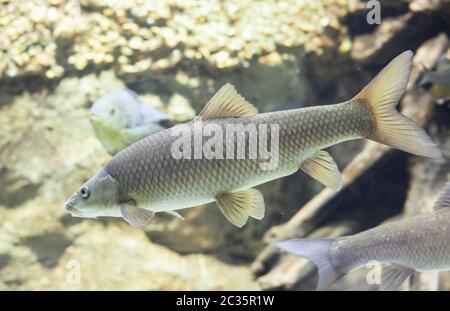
x=317, y=251
x=392, y=128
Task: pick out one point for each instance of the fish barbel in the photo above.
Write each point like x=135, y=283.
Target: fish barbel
x=147, y=177
x=418, y=243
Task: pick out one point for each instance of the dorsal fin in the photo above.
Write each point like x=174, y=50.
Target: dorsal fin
x=444, y=199
x=227, y=103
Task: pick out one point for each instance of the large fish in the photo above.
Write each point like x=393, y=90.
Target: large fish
x=419, y=243
x=120, y=118
x=147, y=178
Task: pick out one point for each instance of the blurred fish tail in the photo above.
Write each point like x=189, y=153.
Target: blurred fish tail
x=392, y=128
x=317, y=251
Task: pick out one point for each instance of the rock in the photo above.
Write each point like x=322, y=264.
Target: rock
x=101, y=34
x=121, y=258
x=180, y=108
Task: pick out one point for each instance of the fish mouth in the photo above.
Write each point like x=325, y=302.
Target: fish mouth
x=99, y=124
x=76, y=213
x=95, y=117
x=96, y=120
x=73, y=211
x=69, y=206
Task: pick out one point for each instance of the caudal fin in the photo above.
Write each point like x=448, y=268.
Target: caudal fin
x=391, y=127
x=317, y=251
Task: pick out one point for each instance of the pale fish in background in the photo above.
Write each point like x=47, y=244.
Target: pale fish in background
x=418, y=243
x=439, y=79
x=120, y=118
x=146, y=178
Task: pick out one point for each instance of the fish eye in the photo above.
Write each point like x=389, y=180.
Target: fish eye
x=84, y=192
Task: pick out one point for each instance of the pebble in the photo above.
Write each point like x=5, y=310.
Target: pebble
x=221, y=34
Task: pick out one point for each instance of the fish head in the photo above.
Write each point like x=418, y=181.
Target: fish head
x=110, y=115
x=116, y=109
x=97, y=197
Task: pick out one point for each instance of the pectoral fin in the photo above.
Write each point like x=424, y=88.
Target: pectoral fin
x=393, y=276
x=444, y=199
x=136, y=216
x=238, y=206
x=322, y=167
x=177, y=215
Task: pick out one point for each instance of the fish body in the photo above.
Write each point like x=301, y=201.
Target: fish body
x=150, y=177
x=156, y=177
x=419, y=243
x=119, y=119
x=440, y=76
x=439, y=79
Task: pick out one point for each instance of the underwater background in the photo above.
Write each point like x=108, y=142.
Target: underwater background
x=58, y=57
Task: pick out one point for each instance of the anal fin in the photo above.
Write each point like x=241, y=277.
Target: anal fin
x=393, y=276
x=322, y=167
x=238, y=206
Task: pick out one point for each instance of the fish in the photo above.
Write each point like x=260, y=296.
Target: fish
x=418, y=243
x=149, y=177
x=440, y=76
x=119, y=118
x=439, y=79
